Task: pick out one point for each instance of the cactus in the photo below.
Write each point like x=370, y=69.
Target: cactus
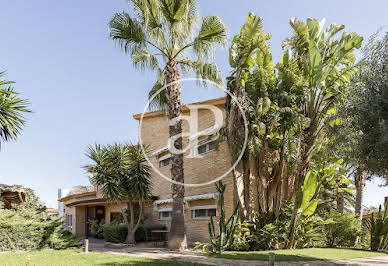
x=225, y=238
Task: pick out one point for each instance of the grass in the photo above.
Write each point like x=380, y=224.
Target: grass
x=308, y=254
x=77, y=257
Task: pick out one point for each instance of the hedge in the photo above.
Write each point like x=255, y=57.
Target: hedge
x=117, y=233
x=23, y=229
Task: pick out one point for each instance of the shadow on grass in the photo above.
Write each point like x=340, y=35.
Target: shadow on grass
x=313, y=254
x=150, y=263
x=265, y=257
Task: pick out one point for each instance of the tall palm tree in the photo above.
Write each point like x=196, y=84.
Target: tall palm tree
x=159, y=37
x=123, y=175
x=12, y=109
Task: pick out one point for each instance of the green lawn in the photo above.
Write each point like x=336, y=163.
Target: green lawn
x=307, y=254
x=74, y=257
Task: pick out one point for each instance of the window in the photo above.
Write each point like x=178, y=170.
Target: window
x=116, y=218
x=165, y=162
x=69, y=221
x=206, y=147
x=165, y=215
x=203, y=213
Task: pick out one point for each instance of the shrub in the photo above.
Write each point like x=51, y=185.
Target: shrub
x=242, y=237
x=342, y=231
x=270, y=232
x=25, y=229
x=97, y=228
x=57, y=237
x=117, y=233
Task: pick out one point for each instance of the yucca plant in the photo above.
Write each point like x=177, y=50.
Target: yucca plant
x=377, y=226
x=12, y=110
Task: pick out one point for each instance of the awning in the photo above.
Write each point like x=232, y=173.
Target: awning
x=187, y=199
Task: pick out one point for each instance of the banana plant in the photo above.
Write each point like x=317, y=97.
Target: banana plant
x=224, y=239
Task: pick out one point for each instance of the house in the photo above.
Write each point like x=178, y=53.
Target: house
x=51, y=213
x=12, y=195
x=203, y=162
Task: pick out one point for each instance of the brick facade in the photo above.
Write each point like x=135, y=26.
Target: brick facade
x=198, y=169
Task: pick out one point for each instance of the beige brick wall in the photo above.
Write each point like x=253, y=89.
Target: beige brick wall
x=80, y=215
x=197, y=170
x=154, y=132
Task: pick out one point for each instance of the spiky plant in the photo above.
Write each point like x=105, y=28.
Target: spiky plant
x=12, y=110
x=377, y=226
x=224, y=238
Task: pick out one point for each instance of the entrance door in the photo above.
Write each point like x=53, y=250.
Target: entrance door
x=100, y=213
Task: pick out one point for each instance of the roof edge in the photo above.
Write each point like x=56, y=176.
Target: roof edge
x=214, y=101
x=78, y=195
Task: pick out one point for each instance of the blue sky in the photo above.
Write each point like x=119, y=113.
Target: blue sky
x=84, y=90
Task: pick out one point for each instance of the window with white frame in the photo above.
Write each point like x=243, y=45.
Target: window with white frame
x=203, y=212
x=165, y=214
x=69, y=221
x=206, y=146
x=164, y=162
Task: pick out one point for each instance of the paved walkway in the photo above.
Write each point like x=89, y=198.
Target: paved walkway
x=191, y=256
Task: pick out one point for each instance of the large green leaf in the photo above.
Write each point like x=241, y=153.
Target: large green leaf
x=309, y=188
x=310, y=208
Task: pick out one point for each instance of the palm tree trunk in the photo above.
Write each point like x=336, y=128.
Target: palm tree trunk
x=177, y=235
x=359, y=181
x=375, y=243
x=340, y=200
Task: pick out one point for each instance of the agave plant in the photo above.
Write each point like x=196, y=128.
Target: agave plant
x=377, y=226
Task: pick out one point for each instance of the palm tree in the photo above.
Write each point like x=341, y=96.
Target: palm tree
x=159, y=38
x=11, y=111
x=123, y=175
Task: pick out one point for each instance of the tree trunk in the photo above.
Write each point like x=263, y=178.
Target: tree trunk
x=340, y=200
x=253, y=189
x=130, y=236
x=307, y=147
x=238, y=173
x=131, y=233
x=375, y=243
x=359, y=181
x=177, y=236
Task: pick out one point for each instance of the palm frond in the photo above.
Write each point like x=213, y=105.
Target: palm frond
x=157, y=96
x=212, y=32
x=143, y=59
x=128, y=33
x=202, y=70
x=12, y=109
